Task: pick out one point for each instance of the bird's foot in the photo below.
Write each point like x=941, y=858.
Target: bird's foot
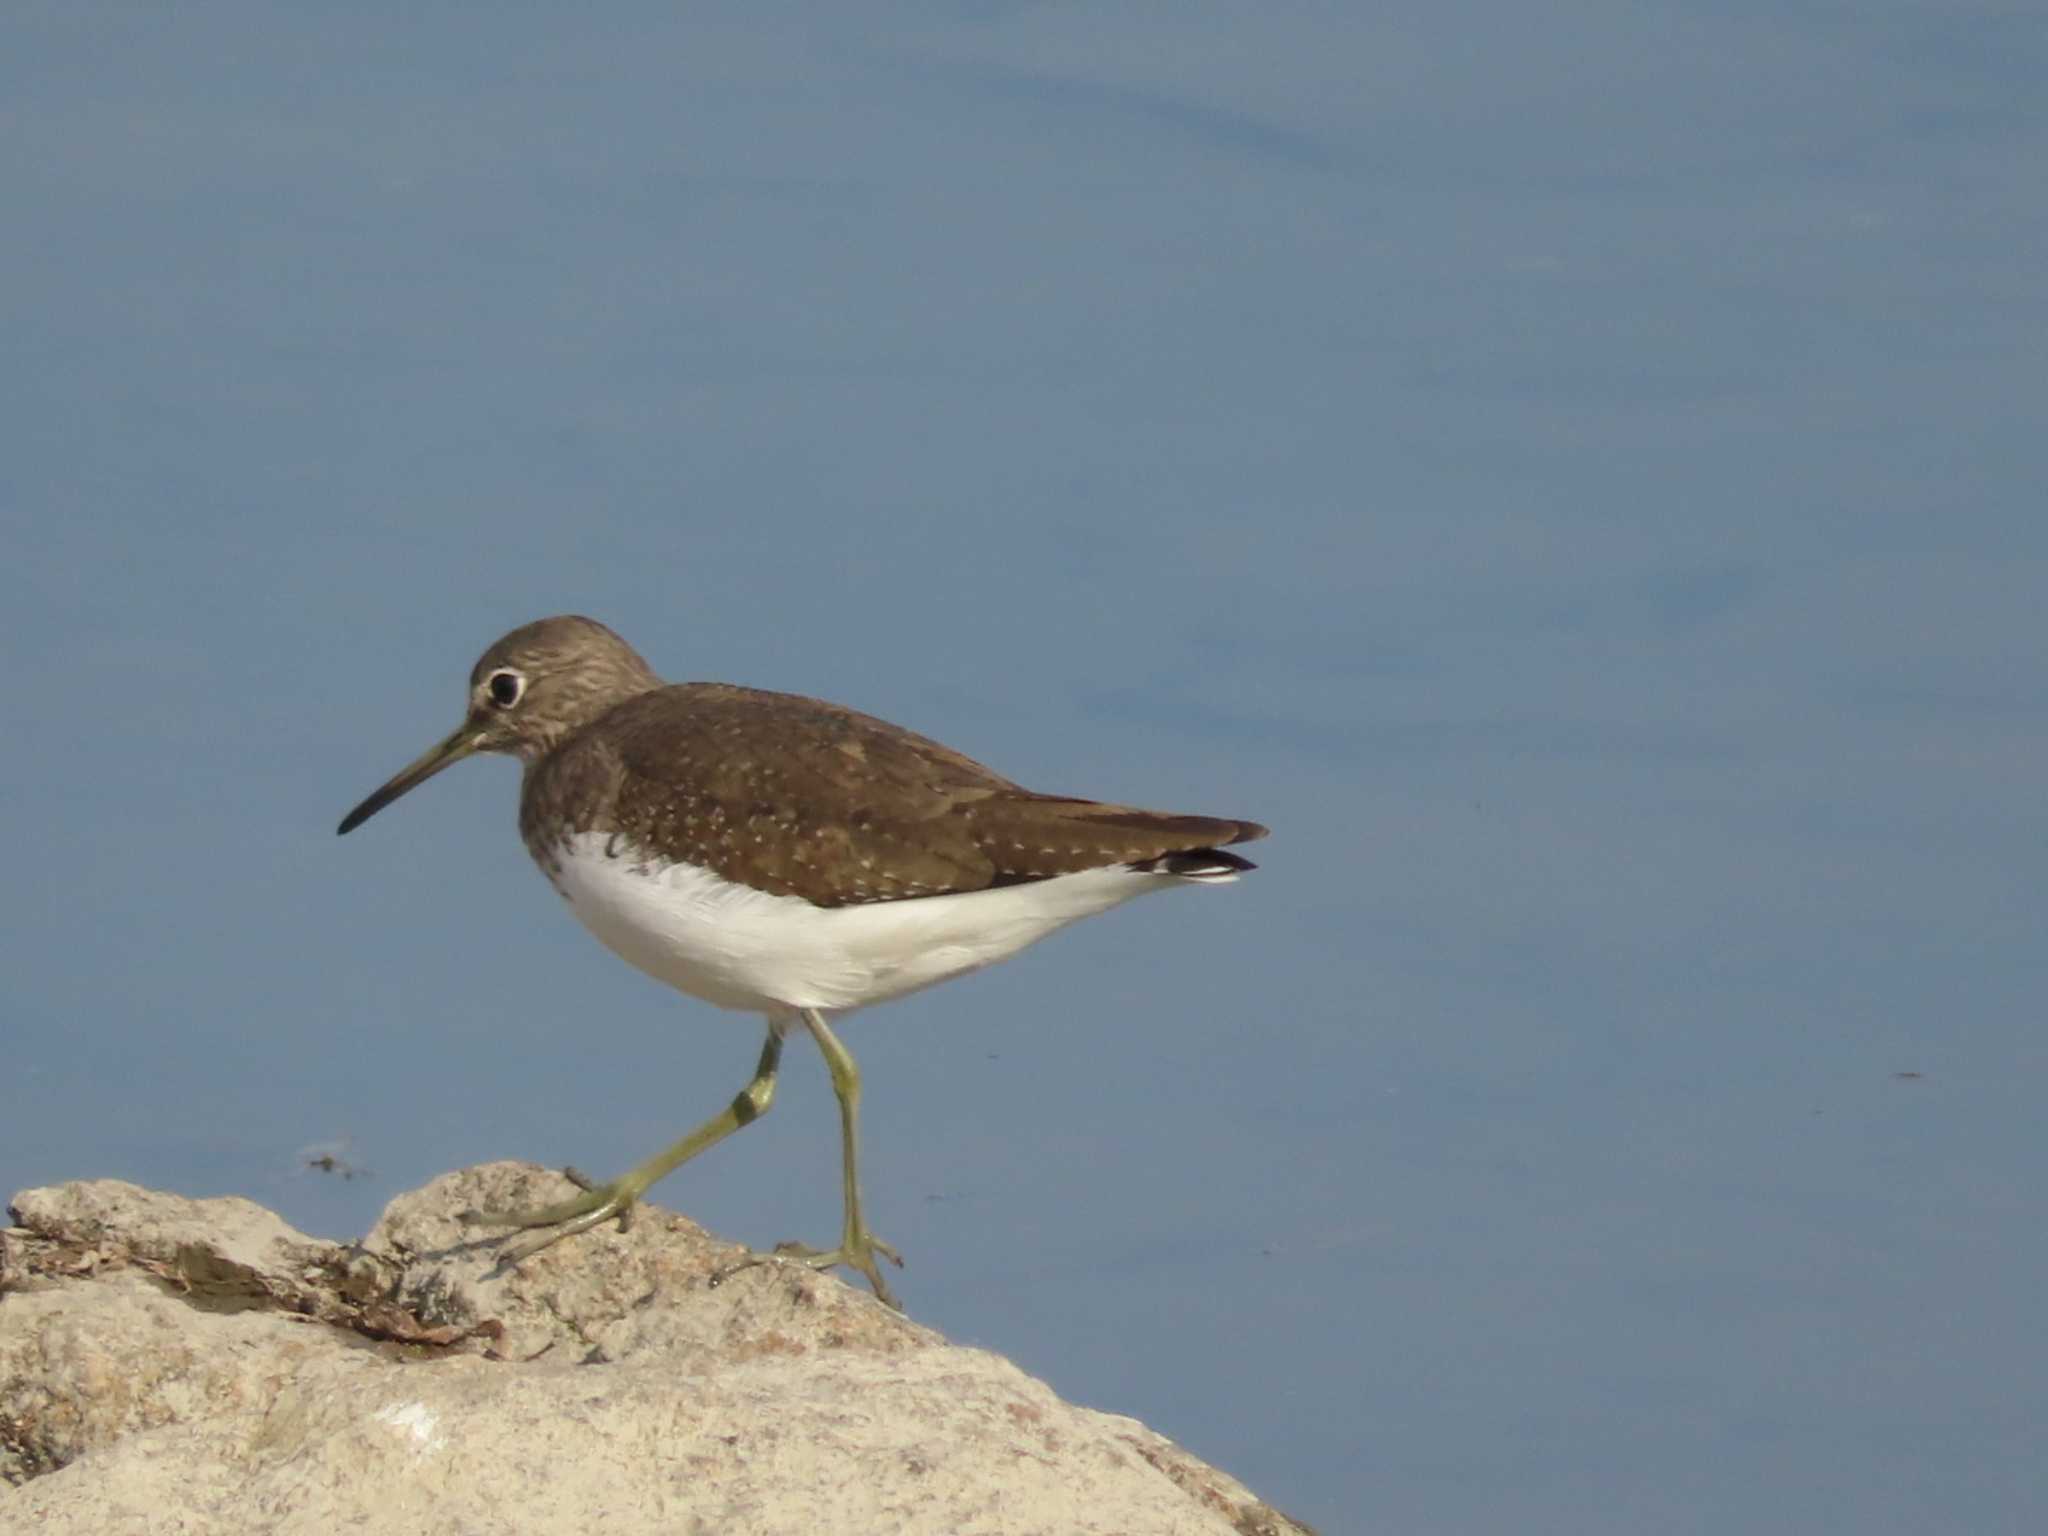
x=597, y=1204
x=857, y=1252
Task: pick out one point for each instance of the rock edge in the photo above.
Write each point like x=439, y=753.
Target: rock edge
x=177, y=1364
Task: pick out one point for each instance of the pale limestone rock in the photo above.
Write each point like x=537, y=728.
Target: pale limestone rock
x=196, y=1365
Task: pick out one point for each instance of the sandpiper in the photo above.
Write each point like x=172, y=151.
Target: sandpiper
x=786, y=857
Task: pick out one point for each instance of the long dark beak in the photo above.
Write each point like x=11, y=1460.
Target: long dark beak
x=417, y=772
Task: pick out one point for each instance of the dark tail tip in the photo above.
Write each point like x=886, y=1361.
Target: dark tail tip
x=1211, y=864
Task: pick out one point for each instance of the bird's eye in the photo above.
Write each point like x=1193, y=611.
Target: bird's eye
x=506, y=688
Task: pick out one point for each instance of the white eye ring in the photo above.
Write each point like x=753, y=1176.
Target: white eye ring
x=506, y=687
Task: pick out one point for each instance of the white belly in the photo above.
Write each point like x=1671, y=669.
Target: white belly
x=741, y=948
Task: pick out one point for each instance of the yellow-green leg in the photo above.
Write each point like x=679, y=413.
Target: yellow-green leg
x=600, y=1203
x=857, y=1245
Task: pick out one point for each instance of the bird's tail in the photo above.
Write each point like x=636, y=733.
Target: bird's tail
x=1206, y=866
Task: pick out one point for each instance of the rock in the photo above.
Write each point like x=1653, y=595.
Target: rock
x=197, y=1365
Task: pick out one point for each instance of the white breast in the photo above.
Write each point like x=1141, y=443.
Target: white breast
x=742, y=948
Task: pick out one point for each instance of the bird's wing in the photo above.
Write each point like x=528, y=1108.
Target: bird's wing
x=805, y=798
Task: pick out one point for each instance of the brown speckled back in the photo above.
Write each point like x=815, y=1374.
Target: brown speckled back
x=799, y=797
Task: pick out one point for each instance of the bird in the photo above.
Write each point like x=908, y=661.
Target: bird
x=783, y=856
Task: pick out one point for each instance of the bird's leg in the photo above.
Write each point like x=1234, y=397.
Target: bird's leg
x=599, y=1203
x=857, y=1245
